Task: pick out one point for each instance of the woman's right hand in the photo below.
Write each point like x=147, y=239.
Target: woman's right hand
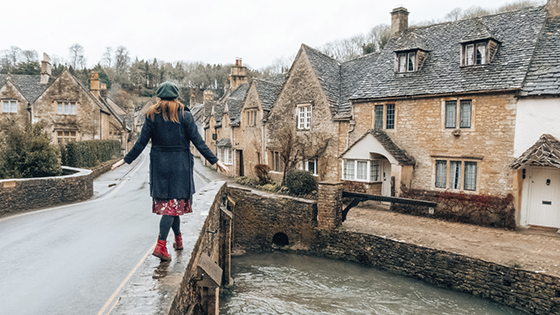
x=119, y=163
x=222, y=168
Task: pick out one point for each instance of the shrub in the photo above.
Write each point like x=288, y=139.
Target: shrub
x=261, y=170
x=247, y=181
x=27, y=152
x=271, y=187
x=89, y=153
x=300, y=182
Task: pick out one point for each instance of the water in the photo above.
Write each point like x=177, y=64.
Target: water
x=280, y=283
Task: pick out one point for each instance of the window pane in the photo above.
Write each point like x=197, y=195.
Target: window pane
x=349, y=169
x=66, y=108
x=362, y=170
x=441, y=174
x=390, y=116
x=411, y=62
x=451, y=114
x=455, y=175
x=470, y=55
x=481, y=54
x=13, y=106
x=465, y=115
x=470, y=176
x=308, y=117
x=374, y=171
x=312, y=166
x=5, y=106
x=402, y=62
x=73, y=109
x=59, y=108
x=378, y=117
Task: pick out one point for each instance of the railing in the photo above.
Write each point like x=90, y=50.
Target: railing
x=358, y=197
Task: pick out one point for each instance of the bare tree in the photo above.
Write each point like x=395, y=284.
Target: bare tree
x=77, y=57
x=30, y=55
x=122, y=63
x=107, y=58
x=454, y=15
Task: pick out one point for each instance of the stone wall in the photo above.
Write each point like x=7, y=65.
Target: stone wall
x=524, y=290
x=19, y=195
x=482, y=210
x=259, y=216
x=22, y=194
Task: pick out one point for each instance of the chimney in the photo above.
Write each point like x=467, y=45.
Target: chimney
x=103, y=91
x=238, y=75
x=46, y=69
x=208, y=96
x=552, y=8
x=399, y=21
x=94, y=83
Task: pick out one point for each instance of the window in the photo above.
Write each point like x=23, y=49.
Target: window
x=476, y=53
x=275, y=161
x=251, y=118
x=461, y=175
x=66, y=108
x=464, y=115
x=9, y=106
x=304, y=117
x=225, y=155
x=310, y=166
x=378, y=117
x=384, y=116
x=65, y=136
x=407, y=61
x=362, y=170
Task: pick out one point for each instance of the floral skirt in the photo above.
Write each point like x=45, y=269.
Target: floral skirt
x=172, y=207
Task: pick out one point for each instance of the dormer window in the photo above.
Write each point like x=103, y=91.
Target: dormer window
x=475, y=53
x=407, y=61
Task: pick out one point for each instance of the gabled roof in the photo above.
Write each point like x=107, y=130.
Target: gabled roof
x=327, y=70
x=480, y=32
x=399, y=154
x=410, y=41
x=545, y=152
x=233, y=102
x=441, y=73
x=29, y=85
x=224, y=142
x=267, y=92
x=543, y=77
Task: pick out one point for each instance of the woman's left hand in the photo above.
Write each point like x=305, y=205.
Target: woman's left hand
x=222, y=168
x=119, y=163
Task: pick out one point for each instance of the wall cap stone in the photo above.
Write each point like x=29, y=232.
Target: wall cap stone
x=330, y=182
x=79, y=172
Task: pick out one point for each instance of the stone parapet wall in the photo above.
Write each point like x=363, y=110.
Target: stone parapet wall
x=484, y=210
x=258, y=216
x=23, y=194
x=524, y=290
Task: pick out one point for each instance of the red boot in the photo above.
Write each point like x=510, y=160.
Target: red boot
x=178, y=245
x=161, y=250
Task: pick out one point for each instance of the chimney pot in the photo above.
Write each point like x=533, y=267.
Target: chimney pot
x=399, y=21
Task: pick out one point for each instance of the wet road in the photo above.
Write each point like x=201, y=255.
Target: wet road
x=72, y=259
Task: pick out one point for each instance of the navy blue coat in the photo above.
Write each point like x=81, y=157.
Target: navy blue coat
x=171, y=161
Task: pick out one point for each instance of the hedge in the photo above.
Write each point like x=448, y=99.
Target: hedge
x=89, y=153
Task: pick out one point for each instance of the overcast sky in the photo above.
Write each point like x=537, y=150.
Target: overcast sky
x=215, y=31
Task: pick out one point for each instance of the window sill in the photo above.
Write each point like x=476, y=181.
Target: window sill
x=361, y=181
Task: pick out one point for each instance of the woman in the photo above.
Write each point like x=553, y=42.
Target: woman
x=171, y=129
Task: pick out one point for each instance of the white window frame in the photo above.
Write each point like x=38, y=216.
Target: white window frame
x=460, y=182
x=469, y=52
x=305, y=166
x=354, y=170
x=407, y=61
x=66, y=108
x=225, y=155
x=304, y=117
x=9, y=106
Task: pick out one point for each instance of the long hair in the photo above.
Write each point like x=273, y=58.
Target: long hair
x=168, y=109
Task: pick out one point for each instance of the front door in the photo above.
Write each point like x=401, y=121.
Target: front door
x=240, y=163
x=386, y=178
x=544, y=202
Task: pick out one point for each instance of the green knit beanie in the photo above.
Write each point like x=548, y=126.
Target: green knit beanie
x=168, y=91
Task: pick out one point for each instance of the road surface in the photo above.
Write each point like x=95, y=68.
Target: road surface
x=72, y=259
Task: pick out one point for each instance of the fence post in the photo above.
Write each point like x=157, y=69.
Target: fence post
x=329, y=205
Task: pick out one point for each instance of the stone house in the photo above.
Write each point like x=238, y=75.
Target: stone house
x=536, y=173
x=302, y=127
x=456, y=99
x=72, y=111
